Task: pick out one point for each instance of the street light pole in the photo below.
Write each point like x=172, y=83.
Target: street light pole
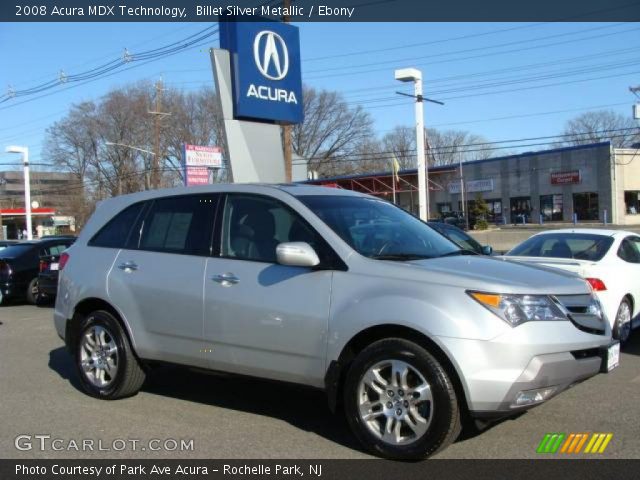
x=414, y=75
x=27, y=185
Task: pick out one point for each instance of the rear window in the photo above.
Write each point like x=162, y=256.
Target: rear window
x=580, y=246
x=115, y=233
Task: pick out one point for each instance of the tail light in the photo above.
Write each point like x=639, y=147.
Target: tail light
x=43, y=265
x=597, y=284
x=64, y=258
x=5, y=268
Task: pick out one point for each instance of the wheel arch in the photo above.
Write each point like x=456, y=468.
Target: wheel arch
x=86, y=306
x=334, y=378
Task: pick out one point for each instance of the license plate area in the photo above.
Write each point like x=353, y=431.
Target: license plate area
x=53, y=267
x=610, y=357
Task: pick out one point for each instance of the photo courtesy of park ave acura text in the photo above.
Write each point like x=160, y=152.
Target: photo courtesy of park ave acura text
x=319, y=238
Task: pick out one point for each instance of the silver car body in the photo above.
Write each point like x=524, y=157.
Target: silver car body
x=292, y=323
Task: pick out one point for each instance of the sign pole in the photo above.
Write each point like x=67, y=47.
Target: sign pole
x=286, y=129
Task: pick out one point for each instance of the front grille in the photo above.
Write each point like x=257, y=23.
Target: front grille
x=577, y=307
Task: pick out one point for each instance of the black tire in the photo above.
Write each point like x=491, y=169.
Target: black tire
x=445, y=423
x=32, y=292
x=129, y=376
x=618, y=332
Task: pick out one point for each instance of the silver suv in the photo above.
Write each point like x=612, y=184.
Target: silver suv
x=328, y=288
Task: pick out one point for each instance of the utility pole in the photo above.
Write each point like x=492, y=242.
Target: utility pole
x=158, y=116
x=286, y=129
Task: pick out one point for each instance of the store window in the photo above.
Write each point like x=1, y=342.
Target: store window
x=521, y=209
x=551, y=207
x=495, y=210
x=585, y=205
x=444, y=209
x=632, y=202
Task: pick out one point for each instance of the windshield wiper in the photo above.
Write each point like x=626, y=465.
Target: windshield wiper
x=462, y=251
x=399, y=256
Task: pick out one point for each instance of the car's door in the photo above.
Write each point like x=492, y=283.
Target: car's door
x=157, y=281
x=262, y=318
x=629, y=276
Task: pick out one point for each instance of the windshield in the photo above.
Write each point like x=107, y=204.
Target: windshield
x=580, y=246
x=378, y=229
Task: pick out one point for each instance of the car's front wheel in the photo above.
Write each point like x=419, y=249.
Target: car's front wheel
x=105, y=362
x=622, y=325
x=400, y=402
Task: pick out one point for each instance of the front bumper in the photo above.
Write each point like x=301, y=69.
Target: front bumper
x=536, y=355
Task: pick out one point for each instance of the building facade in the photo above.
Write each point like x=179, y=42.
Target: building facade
x=586, y=183
x=55, y=194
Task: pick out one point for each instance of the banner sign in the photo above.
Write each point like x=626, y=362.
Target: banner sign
x=198, y=160
x=198, y=156
x=471, y=186
x=265, y=68
x=565, y=178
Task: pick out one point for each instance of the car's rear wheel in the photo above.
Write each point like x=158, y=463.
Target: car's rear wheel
x=622, y=326
x=32, y=291
x=105, y=362
x=400, y=401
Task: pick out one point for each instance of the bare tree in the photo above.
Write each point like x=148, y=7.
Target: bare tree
x=442, y=147
x=331, y=131
x=600, y=126
x=453, y=146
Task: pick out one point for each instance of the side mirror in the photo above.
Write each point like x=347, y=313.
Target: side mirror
x=487, y=250
x=297, y=254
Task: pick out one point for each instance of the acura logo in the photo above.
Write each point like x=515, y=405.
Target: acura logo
x=271, y=55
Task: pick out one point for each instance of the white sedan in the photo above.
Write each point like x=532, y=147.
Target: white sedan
x=608, y=259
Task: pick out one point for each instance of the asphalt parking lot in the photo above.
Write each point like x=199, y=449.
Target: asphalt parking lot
x=233, y=417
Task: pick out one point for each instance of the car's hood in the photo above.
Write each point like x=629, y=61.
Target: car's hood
x=490, y=274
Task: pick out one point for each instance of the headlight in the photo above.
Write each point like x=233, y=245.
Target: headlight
x=517, y=309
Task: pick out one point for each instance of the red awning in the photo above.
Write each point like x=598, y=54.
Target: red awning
x=8, y=212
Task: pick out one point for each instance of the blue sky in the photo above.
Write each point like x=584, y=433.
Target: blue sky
x=601, y=60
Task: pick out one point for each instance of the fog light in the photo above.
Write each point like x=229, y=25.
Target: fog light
x=530, y=397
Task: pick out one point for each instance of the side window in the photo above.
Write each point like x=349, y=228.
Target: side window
x=629, y=250
x=179, y=225
x=253, y=226
x=114, y=234
x=57, y=249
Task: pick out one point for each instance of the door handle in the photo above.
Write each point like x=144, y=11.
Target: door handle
x=226, y=279
x=128, y=266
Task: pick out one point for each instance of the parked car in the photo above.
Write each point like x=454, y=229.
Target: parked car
x=461, y=238
x=7, y=243
x=19, y=267
x=608, y=259
x=48, y=276
x=288, y=282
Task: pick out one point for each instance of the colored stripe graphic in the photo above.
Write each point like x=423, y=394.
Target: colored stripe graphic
x=573, y=443
x=550, y=443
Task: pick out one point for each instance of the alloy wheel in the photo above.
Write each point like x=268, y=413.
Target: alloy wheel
x=99, y=356
x=395, y=402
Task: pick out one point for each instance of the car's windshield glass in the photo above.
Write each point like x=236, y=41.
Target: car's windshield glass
x=15, y=250
x=580, y=246
x=378, y=229
x=461, y=238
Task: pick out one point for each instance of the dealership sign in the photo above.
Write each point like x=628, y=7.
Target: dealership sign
x=265, y=68
x=485, y=185
x=565, y=178
x=198, y=160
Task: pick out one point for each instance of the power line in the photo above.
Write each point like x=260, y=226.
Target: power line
x=472, y=57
